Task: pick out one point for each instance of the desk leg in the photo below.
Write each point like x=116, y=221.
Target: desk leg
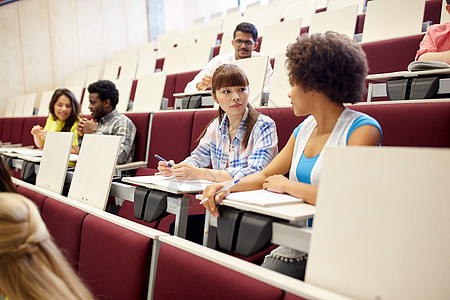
x=369, y=92
x=210, y=231
x=153, y=265
x=180, y=207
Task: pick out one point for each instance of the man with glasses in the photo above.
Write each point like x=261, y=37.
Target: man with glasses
x=244, y=41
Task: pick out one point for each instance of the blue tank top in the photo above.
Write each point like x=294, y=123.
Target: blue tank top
x=306, y=164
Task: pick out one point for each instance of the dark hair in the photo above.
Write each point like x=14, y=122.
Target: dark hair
x=6, y=184
x=105, y=90
x=448, y=1
x=229, y=75
x=330, y=63
x=247, y=28
x=73, y=117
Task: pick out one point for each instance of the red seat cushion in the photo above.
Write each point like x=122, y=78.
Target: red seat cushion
x=64, y=222
x=36, y=197
x=114, y=261
x=182, y=275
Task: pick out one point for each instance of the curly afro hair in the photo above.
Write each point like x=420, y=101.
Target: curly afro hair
x=105, y=90
x=330, y=63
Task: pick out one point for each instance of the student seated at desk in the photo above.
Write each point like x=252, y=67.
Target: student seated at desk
x=31, y=265
x=325, y=71
x=237, y=142
x=64, y=116
x=435, y=45
x=103, y=98
x=245, y=40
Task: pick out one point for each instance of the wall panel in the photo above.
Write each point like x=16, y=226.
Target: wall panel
x=64, y=39
x=11, y=76
x=114, y=19
x=90, y=32
x=36, y=46
x=137, y=25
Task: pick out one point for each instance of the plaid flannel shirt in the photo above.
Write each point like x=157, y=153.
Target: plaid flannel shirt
x=215, y=147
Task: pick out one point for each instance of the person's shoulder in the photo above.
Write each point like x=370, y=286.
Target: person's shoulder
x=436, y=28
x=265, y=119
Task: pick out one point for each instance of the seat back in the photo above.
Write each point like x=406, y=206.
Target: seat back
x=170, y=136
x=178, y=266
x=64, y=222
x=34, y=196
x=141, y=121
x=28, y=123
x=114, y=261
x=411, y=124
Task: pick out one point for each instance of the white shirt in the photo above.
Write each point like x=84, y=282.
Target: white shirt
x=219, y=60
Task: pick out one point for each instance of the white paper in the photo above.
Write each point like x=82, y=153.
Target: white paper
x=263, y=198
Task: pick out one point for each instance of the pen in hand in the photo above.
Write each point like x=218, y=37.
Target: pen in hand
x=162, y=159
x=228, y=186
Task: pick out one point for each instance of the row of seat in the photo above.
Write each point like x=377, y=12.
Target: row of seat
x=410, y=123
x=119, y=259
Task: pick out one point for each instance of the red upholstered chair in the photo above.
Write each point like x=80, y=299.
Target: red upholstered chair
x=285, y=120
x=183, y=275
x=201, y=119
x=16, y=130
x=114, y=261
x=64, y=222
x=182, y=79
x=6, y=129
x=169, y=89
x=36, y=197
x=141, y=121
x=170, y=137
x=159, y=64
x=391, y=55
x=432, y=11
x=1, y=128
x=27, y=138
x=412, y=124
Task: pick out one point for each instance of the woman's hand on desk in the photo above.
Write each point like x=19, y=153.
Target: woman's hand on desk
x=213, y=199
x=184, y=171
x=164, y=168
x=276, y=183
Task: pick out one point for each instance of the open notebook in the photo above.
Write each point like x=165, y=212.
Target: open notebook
x=263, y=198
x=169, y=184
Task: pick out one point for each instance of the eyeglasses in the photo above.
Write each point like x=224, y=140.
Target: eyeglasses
x=247, y=43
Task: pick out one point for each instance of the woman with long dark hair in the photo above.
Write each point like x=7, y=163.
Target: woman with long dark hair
x=64, y=115
x=237, y=142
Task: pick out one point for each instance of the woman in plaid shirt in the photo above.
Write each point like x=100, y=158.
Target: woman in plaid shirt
x=237, y=142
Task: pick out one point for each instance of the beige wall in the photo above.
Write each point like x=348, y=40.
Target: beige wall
x=42, y=41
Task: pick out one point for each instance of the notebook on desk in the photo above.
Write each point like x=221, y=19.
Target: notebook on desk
x=263, y=198
x=22, y=151
x=169, y=184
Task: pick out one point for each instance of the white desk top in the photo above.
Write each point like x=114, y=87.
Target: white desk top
x=207, y=92
x=290, y=212
x=386, y=76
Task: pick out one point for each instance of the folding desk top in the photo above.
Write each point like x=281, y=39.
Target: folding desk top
x=381, y=229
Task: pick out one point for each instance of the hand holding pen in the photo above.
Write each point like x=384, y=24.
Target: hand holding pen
x=209, y=201
x=164, y=166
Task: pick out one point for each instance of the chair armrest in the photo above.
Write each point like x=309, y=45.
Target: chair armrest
x=131, y=165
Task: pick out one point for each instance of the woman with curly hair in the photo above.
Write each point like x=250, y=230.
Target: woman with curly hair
x=325, y=71
x=31, y=266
